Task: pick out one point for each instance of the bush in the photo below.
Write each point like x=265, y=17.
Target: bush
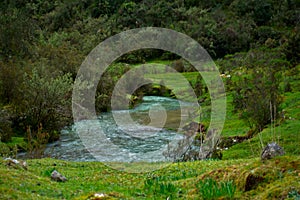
x=4, y=150
x=46, y=101
x=36, y=142
x=291, y=46
x=257, y=94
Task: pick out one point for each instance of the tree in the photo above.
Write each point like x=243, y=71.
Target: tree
x=258, y=90
x=17, y=32
x=5, y=126
x=10, y=78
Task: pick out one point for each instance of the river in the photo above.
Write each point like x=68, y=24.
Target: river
x=127, y=142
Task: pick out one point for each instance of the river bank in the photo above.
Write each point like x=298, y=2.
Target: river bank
x=274, y=179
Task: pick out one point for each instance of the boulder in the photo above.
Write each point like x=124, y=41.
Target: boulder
x=56, y=176
x=272, y=150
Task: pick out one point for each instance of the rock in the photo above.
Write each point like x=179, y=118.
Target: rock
x=194, y=127
x=272, y=150
x=98, y=196
x=56, y=176
x=194, y=148
x=16, y=163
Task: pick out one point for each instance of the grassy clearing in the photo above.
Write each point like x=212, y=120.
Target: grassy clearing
x=177, y=181
x=180, y=83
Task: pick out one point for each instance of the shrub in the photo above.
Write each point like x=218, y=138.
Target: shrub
x=4, y=150
x=36, y=142
x=46, y=101
x=257, y=94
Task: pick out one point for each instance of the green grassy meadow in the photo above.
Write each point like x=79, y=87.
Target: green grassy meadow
x=276, y=178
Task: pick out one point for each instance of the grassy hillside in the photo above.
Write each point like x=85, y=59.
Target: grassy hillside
x=248, y=178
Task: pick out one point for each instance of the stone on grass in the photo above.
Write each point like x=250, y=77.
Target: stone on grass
x=16, y=163
x=56, y=176
x=272, y=150
x=98, y=196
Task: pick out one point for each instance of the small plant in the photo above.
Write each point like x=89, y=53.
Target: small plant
x=157, y=186
x=48, y=172
x=294, y=195
x=36, y=142
x=210, y=189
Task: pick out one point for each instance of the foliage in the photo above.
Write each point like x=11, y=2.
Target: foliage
x=4, y=150
x=67, y=59
x=257, y=94
x=11, y=148
x=17, y=33
x=220, y=26
x=294, y=194
x=106, y=85
x=199, y=87
x=10, y=79
x=291, y=46
x=127, y=84
x=211, y=189
x=260, y=11
x=45, y=101
x=157, y=186
x=6, y=131
x=36, y=142
x=286, y=132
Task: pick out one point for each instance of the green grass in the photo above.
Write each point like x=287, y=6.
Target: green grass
x=179, y=83
x=287, y=135
x=177, y=181
x=211, y=189
x=17, y=141
x=233, y=125
x=286, y=132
